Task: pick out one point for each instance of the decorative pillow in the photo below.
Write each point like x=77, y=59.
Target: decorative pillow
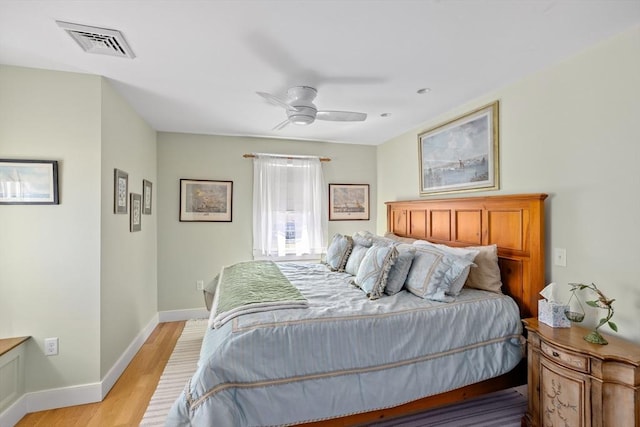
x=383, y=241
x=467, y=254
x=338, y=252
x=486, y=275
x=361, y=243
x=433, y=271
x=397, y=238
x=400, y=269
x=373, y=272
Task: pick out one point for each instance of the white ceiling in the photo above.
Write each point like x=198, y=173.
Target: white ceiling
x=199, y=64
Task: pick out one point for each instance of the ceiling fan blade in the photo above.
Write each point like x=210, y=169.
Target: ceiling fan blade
x=275, y=100
x=281, y=125
x=341, y=116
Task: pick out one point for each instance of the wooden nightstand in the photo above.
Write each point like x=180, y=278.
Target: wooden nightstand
x=573, y=383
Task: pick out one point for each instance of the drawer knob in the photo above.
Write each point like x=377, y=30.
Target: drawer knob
x=555, y=354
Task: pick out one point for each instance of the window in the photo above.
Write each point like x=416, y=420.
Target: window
x=289, y=208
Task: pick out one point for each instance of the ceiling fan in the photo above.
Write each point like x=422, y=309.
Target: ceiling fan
x=302, y=111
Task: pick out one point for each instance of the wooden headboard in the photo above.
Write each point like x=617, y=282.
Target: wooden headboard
x=515, y=223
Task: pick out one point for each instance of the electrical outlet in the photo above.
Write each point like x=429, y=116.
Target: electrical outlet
x=560, y=257
x=50, y=346
x=199, y=285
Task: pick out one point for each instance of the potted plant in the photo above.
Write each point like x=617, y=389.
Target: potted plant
x=602, y=302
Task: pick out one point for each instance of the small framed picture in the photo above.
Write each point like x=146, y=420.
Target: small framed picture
x=348, y=202
x=205, y=200
x=147, y=188
x=136, y=213
x=28, y=182
x=120, y=191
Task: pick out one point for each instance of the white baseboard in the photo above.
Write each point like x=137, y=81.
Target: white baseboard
x=14, y=413
x=50, y=399
x=62, y=397
x=178, y=315
x=76, y=395
x=121, y=364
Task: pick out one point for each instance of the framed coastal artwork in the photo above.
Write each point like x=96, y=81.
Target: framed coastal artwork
x=205, y=200
x=28, y=182
x=348, y=202
x=462, y=154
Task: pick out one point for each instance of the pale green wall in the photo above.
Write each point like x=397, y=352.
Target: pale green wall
x=189, y=251
x=50, y=255
x=128, y=273
x=570, y=131
x=73, y=270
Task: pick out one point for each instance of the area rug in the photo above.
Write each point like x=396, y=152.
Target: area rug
x=180, y=367
x=504, y=408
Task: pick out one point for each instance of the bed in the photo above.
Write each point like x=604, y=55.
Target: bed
x=347, y=360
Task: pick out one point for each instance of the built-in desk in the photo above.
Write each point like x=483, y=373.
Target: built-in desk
x=12, y=353
x=6, y=344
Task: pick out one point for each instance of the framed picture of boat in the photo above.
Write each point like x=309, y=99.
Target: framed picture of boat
x=348, y=202
x=462, y=154
x=205, y=200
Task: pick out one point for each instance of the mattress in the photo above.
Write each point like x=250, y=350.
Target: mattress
x=345, y=354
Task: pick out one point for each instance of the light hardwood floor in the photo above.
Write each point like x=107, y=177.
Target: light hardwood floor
x=128, y=399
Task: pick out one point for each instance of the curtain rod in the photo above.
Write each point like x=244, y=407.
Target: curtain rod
x=251, y=155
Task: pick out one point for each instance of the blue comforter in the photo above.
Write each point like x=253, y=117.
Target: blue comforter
x=345, y=354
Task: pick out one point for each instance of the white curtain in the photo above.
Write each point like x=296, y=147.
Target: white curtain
x=289, y=207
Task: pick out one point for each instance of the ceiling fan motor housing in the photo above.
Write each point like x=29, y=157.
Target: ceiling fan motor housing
x=303, y=111
x=302, y=114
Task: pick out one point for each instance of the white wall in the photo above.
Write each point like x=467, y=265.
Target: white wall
x=570, y=131
x=50, y=254
x=190, y=251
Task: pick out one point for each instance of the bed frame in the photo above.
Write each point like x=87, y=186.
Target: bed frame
x=515, y=223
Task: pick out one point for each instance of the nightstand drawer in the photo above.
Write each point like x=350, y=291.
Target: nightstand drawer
x=564, y=357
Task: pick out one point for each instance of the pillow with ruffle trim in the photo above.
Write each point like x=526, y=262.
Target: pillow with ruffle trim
x=338, y=252
x=374, y=270
x=400, y=269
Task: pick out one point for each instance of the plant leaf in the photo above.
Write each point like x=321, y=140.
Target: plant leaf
x=602, y=322
x=613, y=326
x=592, y=303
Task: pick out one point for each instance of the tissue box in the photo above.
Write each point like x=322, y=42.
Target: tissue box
x=552, y=314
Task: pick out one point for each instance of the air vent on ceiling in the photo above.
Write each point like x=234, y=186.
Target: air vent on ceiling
x=98, y=40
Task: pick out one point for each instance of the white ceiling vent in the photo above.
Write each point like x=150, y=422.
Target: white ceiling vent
x=98, y=40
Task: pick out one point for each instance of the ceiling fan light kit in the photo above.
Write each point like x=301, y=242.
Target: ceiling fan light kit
x=302, y=111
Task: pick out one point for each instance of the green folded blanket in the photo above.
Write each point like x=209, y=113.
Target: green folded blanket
x=250, y=287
